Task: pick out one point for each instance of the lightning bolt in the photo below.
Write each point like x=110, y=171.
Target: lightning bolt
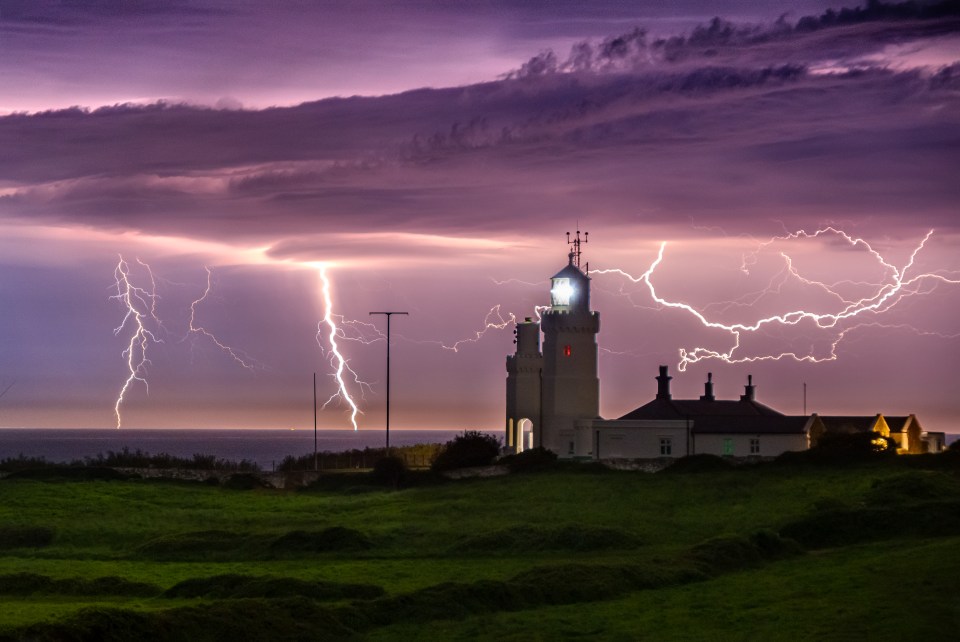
x=337, y=360
x=193, y=328
x=139, y=304
x=894, y=287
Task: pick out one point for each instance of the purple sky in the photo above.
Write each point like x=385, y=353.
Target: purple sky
x=429, y=157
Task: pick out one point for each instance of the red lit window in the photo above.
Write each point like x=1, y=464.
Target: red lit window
x=567, y=351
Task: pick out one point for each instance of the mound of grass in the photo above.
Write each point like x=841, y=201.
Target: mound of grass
x=247, y=586
x=335, y=538
x=221, y=545
x=193, y=544
x=734, y=552
x=250, y=619
x=827, y=528
x=572, y=537
x=25, y=584
x=913, y=487
x=14, y=536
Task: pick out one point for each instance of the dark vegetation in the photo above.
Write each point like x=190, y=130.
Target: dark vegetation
x=472, y=448
x=14, y=536
x=32, y=584
x=528, y=461
x=125, y=458
x=416, y=456
x=229, y=545
x=526, y=539
x=248, y=586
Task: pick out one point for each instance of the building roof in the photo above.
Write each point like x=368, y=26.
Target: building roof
x=718, y=417
x=767, y=425
x=571, y=271
x=698, y=408
x=837, y=424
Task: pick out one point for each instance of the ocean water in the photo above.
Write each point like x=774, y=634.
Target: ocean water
x=265, y=447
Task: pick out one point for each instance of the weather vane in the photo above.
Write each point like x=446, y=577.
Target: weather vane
x=575, y=242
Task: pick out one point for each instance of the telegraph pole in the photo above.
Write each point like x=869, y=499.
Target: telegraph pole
x=388, y=315
x=314, y=421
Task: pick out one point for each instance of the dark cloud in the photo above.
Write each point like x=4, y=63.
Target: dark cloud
x=865, y=29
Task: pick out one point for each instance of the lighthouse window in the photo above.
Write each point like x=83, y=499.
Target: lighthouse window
x=567, y=351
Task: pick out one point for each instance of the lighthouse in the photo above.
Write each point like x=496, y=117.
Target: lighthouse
x=553, y=392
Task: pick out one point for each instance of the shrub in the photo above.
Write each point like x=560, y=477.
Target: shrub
x=535, y=459
x=244, y=481
x=838, y=448
x=472, y=448
x=390, y=471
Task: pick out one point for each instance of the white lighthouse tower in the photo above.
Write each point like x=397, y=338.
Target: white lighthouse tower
x=557, y=391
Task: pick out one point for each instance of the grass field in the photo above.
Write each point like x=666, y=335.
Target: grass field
x=573, y=552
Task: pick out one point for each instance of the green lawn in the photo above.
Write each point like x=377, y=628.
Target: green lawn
x=505, y=545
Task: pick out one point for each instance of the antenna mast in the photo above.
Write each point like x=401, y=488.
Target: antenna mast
x=575, y=242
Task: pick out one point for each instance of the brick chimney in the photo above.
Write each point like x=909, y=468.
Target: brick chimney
x=708, y=389
x=663, y=384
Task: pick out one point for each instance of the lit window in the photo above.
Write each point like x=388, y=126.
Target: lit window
x=727, y=446
x=754, y=446
x=567, y=351
x=666, y=446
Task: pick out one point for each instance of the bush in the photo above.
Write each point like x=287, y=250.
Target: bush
x=838, y=448
x=390, y=471
x=532, y=460
x=472, y=448
x=244, y=481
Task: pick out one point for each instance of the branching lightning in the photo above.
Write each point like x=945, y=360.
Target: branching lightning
x=139, y=304
x=337, y=360
x=897, y=284
x=193, y=328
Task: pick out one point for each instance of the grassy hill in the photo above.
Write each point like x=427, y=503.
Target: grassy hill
x=767, y=552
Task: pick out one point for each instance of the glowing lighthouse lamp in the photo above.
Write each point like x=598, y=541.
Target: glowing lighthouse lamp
x=563, y=292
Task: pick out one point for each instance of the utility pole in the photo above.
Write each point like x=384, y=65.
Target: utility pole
x=314, y=421
x=388, y=315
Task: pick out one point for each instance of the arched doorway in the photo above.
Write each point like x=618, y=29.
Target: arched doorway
x=524, y=435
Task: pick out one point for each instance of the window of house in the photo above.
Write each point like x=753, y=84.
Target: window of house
x=666, y=446
x=754, y=446
x=728, y=446
x=571, y=448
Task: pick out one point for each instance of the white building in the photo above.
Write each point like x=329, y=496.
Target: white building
x=553, y=399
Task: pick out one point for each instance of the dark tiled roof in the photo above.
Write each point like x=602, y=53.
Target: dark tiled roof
x=695, y=409
x=896, y=424
x=849, y=424
x=777, y=424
